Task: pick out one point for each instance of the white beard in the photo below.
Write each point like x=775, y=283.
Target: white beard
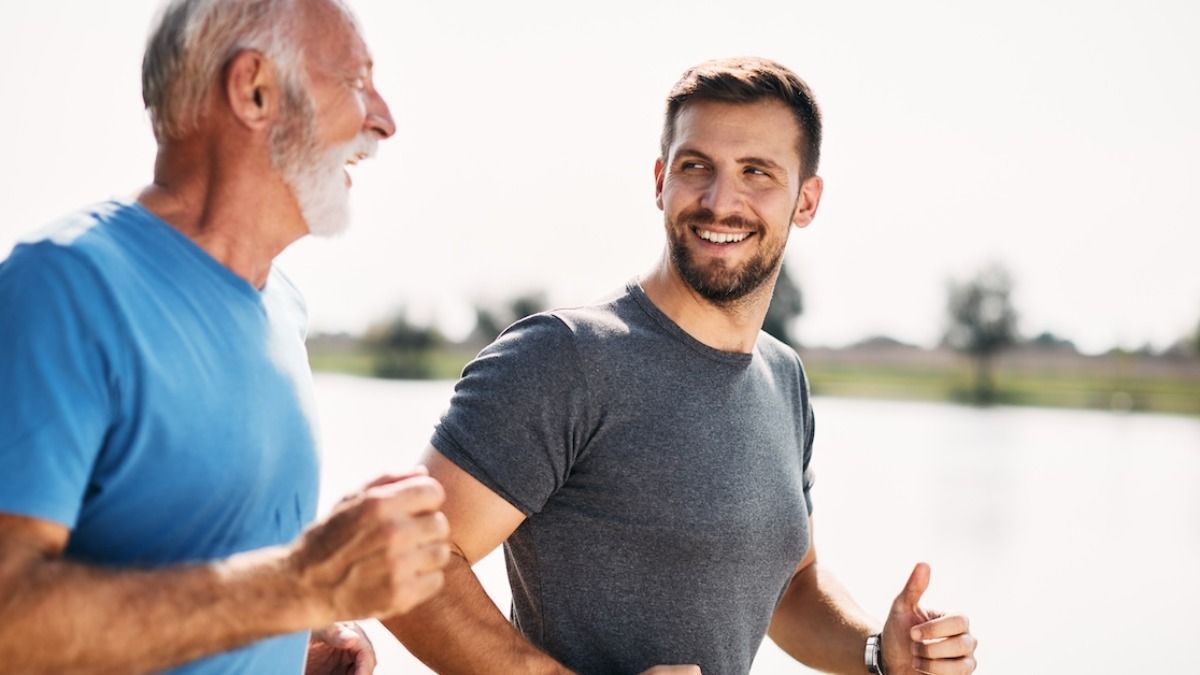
x=319, y=185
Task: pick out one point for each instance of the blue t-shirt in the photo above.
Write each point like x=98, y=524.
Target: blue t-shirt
x=155, y=403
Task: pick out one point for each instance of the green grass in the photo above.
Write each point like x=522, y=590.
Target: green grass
x=1098, y=390
x=351, y=363
x=1177, y=395
x=439, y=364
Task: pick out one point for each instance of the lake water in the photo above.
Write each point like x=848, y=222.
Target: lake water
x=1071, y=538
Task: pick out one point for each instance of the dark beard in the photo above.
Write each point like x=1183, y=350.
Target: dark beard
x=716, y=283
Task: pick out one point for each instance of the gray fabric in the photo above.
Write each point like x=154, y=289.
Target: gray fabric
x=666, y=483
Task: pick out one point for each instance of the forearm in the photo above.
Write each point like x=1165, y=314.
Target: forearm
x=460, y=630
x=59, y=616
x=820, y=625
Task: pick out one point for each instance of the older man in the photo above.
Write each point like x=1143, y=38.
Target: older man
x=157, y=460
x=647, y=461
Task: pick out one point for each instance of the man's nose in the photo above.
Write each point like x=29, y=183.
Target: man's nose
x=722, y=196
x=379, y=117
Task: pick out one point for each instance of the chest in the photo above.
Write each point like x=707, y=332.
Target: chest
x=712, y=472
x=211, y=449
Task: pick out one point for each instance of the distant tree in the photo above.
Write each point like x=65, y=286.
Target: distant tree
x=527, y=304
x=401, y=349
x=1196, y=340
x=881, y=342
x=786, y=305
x=982, y=322
x=490, y=321
x=1049, y=340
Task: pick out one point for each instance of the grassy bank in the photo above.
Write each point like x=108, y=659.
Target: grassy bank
x=1113, y=382
x=436, y=364
x=1163, y=394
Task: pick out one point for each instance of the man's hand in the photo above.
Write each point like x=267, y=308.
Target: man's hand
x=673, y=670
x=379, y=553
x=918, y=640
x=340, y=649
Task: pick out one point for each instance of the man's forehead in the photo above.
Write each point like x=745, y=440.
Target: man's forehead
x=762, y=126
x=331, y=38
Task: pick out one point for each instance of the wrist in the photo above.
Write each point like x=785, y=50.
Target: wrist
x=270, y=578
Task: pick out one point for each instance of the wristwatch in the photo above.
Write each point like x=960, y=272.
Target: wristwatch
x=874, y=655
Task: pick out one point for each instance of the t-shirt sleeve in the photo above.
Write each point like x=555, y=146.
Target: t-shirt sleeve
x=54, y=392
x=519, y=416
x=806, y=413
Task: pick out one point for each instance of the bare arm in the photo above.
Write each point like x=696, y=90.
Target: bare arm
x=818, y=623
x=461, y=630
x=379, y=552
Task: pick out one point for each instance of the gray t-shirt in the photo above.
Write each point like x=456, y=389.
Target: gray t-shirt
x=665, y=483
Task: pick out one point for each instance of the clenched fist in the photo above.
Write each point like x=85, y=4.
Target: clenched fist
x=379, y=553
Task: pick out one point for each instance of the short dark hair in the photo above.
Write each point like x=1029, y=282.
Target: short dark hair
x=749, y=79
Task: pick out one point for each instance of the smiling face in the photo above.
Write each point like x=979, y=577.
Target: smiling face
x=334, y=122
x=730, y=188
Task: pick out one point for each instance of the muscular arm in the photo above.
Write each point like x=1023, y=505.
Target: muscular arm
x=60, y=616
x=379, y=552
x=461, y=630
x=818, y=623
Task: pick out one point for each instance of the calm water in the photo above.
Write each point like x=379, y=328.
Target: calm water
x=1071, y=539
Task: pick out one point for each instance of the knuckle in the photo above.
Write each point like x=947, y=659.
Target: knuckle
x=372, y=508
x=416, y=496
x=440, y=555
x=434, y=526
x=441, y=525
x=399, y=553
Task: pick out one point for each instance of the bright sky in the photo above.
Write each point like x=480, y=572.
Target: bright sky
x=1060, y=139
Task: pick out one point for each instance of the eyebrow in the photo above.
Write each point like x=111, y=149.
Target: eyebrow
x=760, y=161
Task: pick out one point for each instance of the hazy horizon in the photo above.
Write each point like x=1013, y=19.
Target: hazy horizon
x=1057, y=140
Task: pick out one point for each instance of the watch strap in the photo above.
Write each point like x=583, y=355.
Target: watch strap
x=874, y=655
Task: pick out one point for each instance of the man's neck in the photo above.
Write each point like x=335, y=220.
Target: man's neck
x=729, y=328
x=243, y=219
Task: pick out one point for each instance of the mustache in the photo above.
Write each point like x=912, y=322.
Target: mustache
x=703, y=216
x=365, y=144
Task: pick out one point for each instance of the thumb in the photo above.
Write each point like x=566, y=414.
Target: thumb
x=918, y=581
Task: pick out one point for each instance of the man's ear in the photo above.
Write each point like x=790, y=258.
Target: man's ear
x=808, y=201
x=660, y=171
x=251, y=90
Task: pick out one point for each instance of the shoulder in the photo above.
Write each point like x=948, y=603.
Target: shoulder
x=599, y=322
x=778, y=354
x=79, y=241
x=541, y=337
x=65, y=274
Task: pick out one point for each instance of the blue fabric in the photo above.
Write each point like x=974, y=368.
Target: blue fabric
x=154, y=403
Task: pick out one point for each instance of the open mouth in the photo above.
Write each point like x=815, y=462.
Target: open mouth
x=724, y=238
x=353, y=161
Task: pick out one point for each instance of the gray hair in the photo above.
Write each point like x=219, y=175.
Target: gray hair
x=193, y=40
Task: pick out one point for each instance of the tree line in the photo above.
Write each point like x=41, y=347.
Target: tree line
x=980, y=323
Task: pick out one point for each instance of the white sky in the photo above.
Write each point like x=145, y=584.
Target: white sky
x=1058, y=138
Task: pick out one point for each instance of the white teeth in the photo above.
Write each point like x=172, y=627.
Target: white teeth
x=722, y=237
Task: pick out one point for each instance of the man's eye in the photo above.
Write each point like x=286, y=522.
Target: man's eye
x=755, y=171
x=358, y=83
x=692, y=166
